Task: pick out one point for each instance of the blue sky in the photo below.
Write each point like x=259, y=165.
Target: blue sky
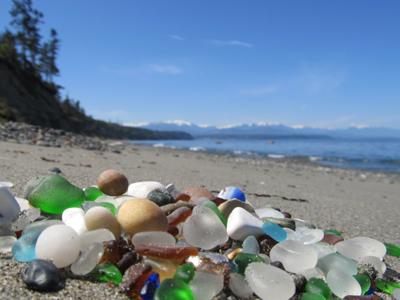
x=317, y=63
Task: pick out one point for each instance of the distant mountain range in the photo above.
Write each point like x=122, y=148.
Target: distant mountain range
x=270, y=130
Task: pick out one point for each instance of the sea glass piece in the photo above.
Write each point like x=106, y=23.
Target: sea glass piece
x=318, y=286
x=333, y=231
x=324, y=249
x=174, y=289
x=166, y=268
x=359, y=247
x=6, y=243
x=185, y=272
x=204, y=229
x=250, y=245
x=275, y=231
x=387, y=286
x=364, y=281
x=396, y=293
x=167, y=252
x=269, y=282
x=179, y=215
x=392, y=249
x=295, y=256
x=153, y=238
x=211, y=205
x=269, y=212
x=232, y=192
x=242, y=260
x=92, y=193
x=59, y=244
x=88, y=259
x=9, y=208
x=24, y=248
x=338, y=262
x=75, y=218
x=205, y=285
x=149, y=288
x=305, y=235
x=95, y=236
x=342, y=284
x=107, y=273
x=239, y=286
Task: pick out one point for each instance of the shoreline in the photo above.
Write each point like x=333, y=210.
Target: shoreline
x=329, y=198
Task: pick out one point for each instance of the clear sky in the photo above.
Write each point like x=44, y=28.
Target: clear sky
x=319, y=63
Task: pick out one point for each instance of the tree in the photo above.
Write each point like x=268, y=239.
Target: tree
x=54, y=45
x=26, y=22
x=7, y=46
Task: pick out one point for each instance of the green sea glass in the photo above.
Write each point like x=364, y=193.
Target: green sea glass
x=318, y=286
x=242, y=260
x=211, y=205
x=53, y=194
x=311, y=296
x=364, y=281
x=185, y=272
x=174, y=289
x=387, y=286
x=392, y=249
x=333, y=231
x=109, y=206
x=107, y=273
x=92, y=193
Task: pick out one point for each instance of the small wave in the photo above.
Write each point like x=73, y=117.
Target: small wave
x=197, y=149
x=276, y=156
x=160, y=145
x=314, y=158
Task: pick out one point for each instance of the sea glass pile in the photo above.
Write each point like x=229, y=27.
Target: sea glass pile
x=156, y=242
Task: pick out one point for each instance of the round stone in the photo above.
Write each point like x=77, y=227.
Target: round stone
x=269, y=282
x=139, y=215
x=142, y=189
x=228, y=206
x=100, y=217
x=153, y=238
x=160, y=198
x=43, y=276
x=359, y=247
x=295, y=256
x=112, y=183
x=196, y=193
x=342, y=284
x=59, y=244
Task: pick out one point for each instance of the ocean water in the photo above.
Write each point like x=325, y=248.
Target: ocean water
x=367, y=154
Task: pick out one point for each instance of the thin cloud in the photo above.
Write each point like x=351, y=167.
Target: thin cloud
x=231, y=43
x=176, y=37
x=165, y=69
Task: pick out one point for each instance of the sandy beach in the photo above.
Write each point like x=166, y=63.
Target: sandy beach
x=358, y=203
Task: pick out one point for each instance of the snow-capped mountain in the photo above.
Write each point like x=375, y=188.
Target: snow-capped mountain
x=266, y=129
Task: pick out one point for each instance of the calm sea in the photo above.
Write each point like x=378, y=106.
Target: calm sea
x=367, y=154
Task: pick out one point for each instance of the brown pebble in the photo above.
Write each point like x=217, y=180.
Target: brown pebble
x=112, y=183
x=196, y=193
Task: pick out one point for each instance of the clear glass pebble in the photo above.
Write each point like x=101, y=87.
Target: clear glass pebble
x=204, y=229
x=305, y=235
x=338, y=262
x=295, y=256
x=269, y=282
x=359, y=247
x=88, y=259
x=342, y=284
x=153, y=238
x=324, y=249
x=75, y=218
x=239, y=286
x=250, y=245
x=95, y=236
x=205, y=285
x=268, y=212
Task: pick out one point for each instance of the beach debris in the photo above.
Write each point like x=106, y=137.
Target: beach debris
x=112, y=183
x=156, y=242
x=43, y=276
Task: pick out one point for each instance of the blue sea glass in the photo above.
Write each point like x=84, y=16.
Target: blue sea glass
x=150, y=287
x=232, y=192
x=274, y=231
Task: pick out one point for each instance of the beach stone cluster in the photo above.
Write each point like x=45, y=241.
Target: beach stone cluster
x=157, y=242
x=23, y=133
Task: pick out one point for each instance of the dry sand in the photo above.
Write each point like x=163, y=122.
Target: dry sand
x=355, y=202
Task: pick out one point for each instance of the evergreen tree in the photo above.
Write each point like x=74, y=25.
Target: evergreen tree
x=26, y=22
x=7, y=46
x=54, y=45
x=45, y=61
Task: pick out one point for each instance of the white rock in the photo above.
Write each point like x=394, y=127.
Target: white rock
x=269, y=282
x=74, y=217
x=59, y=244
x=375, y=262
x=205, y=285
x=359, y=247
x=239, y=286
x=153, y=238
x=268, y=212
x=6, y=243
x=88, y=259
x=295, y=256
x=142, y=189
x=95, y=236
x=241, y=224
x=9, y=208
x=204, y=229
x=342, y=284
